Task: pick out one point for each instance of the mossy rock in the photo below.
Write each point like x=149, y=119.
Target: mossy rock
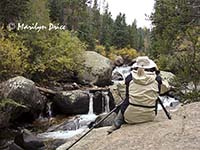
x=9, y=111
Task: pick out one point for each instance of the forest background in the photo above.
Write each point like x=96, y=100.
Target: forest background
x=173, y=42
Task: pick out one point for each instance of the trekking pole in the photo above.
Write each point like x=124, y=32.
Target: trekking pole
x=96, y=124
x=165, y=110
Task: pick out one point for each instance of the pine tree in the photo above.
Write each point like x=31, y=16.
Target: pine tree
x=12, y=11
x=106, y=28
x=120, y=32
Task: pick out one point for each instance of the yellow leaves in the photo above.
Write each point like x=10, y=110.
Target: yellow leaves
x=127, y=53
x=100, y=49
x=13, y=55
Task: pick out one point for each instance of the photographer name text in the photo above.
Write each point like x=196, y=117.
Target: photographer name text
x=38, y=28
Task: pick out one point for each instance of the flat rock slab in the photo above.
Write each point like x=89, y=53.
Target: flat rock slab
x=180, y=133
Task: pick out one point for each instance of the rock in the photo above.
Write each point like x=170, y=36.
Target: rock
x=23, y=96
x=9, y=111
x=118, y=90
x=28, y=141
x=167, y=76
x=77, y=102
x=4, y=144
x=116, y=76
x=107, y=122
x=14, y=146
x=180, y=133
x=119, y=61
x=71, y=102
x=97, y=69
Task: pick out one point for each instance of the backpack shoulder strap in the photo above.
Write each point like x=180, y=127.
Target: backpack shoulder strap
x=127, y=81
x=159, y=80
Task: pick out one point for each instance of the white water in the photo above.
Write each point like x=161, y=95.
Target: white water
x=124, y=71
x=168, y=102
x=81, y=122
x=49, y=109
x=81, y=125
x=61, y=134
x=107, y=101
x=91, y=103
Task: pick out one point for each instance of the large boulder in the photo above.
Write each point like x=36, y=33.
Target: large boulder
x=97, y=69
x=180, y=133
x=20, y=99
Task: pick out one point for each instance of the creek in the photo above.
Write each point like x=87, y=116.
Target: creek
x=65, y=128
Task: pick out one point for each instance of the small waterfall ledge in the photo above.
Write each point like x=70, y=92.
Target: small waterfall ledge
x=80, y=122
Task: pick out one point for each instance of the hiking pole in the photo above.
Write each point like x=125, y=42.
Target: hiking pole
x=165, y=110
x=96, y=124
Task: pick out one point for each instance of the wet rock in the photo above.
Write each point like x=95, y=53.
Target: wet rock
x=74, y=123
x=107, y=122
x=77, y=102
x=28, y=141
x=117, y=76
x=71, y=102
x=4, y=144
x=97, y=69
x=20, y=95
x=14, y=146
x=9, y=111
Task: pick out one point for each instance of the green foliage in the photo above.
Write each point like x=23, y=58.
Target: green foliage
x=13, y=55
x=59, y=52
x=106, y=29
x=120, y=32
x=175, y=43
x=38, y=12
x=12, y=11
x=166, y=63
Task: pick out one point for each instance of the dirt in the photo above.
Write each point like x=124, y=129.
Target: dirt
x=180, y=133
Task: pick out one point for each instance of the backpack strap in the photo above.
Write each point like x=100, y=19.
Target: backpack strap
x=128, y=79
x=159, y=80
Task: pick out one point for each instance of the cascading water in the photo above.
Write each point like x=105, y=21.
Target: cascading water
x=91, y=104
x=79, y=124
x=106, y=105
x=49, y=111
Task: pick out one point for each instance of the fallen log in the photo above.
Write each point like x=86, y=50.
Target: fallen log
x=46, y=91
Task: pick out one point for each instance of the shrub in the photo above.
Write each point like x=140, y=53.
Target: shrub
x=13, y=55
x=55, y=54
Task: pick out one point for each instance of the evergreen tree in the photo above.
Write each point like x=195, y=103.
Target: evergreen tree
x=12, y=11
x=133, y=35
x=106, y=28
x=120, y=32
x=175, y=41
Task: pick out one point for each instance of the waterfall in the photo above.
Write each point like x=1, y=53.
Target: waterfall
x=49, y=112
x=90, y=103
x=107, y=101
